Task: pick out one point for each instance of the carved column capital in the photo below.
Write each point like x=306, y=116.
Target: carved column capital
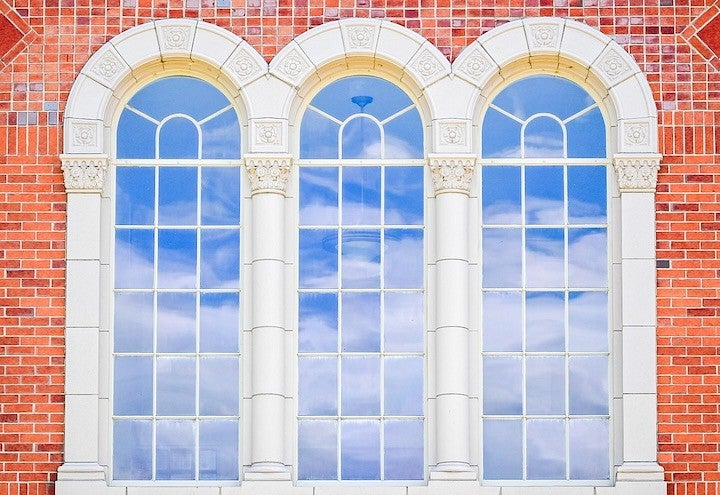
x=452, y=173
x=637, y=172
x=268, y=173
x=84, y=173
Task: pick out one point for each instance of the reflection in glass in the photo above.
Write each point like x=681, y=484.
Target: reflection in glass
x=500, y=136
x=134, y=195
x=361, y=139
x=177, y=200
x=502, y=258
x=175, y=386
x=361, y=322
x=588, y=321
x=134, y=254
x=544, y=258
x=318, y=380
x=360, y=386
x=589, y=385
x=361, y=195
x=545, y=449
x=545, y=385
x=176, y=322
x=403, y=136
x=318, y=136
x=220, y=192
x=133, y=390
x=219, y=386
x=543, y=137
x=544, y=195
x=501, y=196
x=589, y=449
x=221, y=137
x=318, y=263
x=404, y=450
x=403, y=258
x=179, y=138
x=318, y=322
x=586, y=136
x=132, y=450
x=319, y=196
x=361, y=259
x=587, y=195
x=175, y=450
x=177, y=259
x=585, y=270
x=220, y=258
x=317, y=450
x=133, y=322
x=504, y=463
x=545, y=321
x=404, y=195
x=502, y=321
x=219, y=321
x=404, y=321
x=360, y=450
x=403, y=386
x=218, y=450
x=135, y=136
x=502, y=385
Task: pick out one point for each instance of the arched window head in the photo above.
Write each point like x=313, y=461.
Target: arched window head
x=361, y=117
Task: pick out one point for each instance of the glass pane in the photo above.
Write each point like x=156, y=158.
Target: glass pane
x=317, y=450
x=318, y=263
x=404, y=259
x=502, y=321
x=220, y=259
x=501, y=195
x=500, y=136
x=133, y=389
x=545, y=258
x=404, y=321
x=545, y=385
x=361, y=195
x=177, y=197
x=319, y=196
x=589, y=385
x=360, y=451
x=587, y=258
x=134, y=196
x=404, y=195
x=219, y=450
x=133, y=330
x=177, y=259
x=360, y=386
x=134, y=254
x=220, y=191
x=361, y=259
x=175, y=386
x=168, y=95
x=176, y=322
x=179, y=138
x=404, y=450
x=545, y=321
x=543, y=138
x=361, y=139
x=404, y=386
x=546, y=449
x=504, y=463
x=544, y=196
x=587, y=195
x=219, y=322
x=135, y=136
x=318, y=322
x=588, y=321
x=502, y=385
x=361, y=322
x=132, y=450
x=318, y=136
x=219, y=386
x=589, y=449
x=543, y=93
x=404, y=136
x=502, y=258
x=586, y=136
x=175, y=450
x=317, y=394
x=221, y=136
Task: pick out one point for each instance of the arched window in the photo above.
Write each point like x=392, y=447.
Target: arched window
x=361, y=294
x=544, y=278
x=176, y=346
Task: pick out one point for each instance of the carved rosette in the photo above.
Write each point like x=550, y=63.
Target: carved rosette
x=544, y=35
x=361, y=37
x=452, y=174
x=268, y=173
x=613, y=65
x=84, y=173
x=427, y=66
x=637, y=173
x=108, y=67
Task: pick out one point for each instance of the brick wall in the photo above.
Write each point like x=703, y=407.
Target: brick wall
x=43, y=45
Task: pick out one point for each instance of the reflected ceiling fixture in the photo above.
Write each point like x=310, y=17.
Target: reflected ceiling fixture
x=362, y=101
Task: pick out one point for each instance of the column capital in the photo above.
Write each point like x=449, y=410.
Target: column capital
x=268, y=173
x=84, y=173
x=452, y=173
x=636, y=172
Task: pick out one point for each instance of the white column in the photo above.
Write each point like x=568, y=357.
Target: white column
x=451, y=177
x=637, y=178
x=84, y=178
x=268, y=176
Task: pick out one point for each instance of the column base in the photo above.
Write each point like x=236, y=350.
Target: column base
x=84, y=471
x=640, y=471
x=268, y=471
x=454, y=471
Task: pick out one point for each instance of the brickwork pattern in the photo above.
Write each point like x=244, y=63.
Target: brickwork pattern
x=672, y=40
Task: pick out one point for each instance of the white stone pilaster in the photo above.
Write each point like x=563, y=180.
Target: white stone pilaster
x=268, y=176
x=451, y=177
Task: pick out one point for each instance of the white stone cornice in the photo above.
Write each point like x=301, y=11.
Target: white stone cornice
x=84, y=173
x=268, y=173
x=637, y=172
x=452, y=173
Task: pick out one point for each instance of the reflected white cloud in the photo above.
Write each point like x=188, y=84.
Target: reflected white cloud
x=502, y=385
x=175, y=378
x=502, y=258
x=134, y=259
x=361, y=322
x=546, y=449
x=175, y=450
x=360, y=450
x=502, y=321
x=404, y=259
x=404, y=322
x=219, y=322
x=589, y=385
x=544, y=211
x=361, y=388
x=317, y=386
x=587, y=258
x=588, y=321
x=545, y=321
x=220, y=259
x=317, y=452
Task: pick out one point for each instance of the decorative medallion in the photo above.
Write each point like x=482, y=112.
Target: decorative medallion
x=84, y=134
x=475, y=65
x=426, y=65
x=361, y=36
x=452, y=174
x=268, y=174
x=637, y=173
x=293, y=65
x=637, y=133
x=269, y=133
x=452, y=134
x=244, y=66
x=108, y=67
x=84, y=174
x=176, y=37
x=543, y=35
x=613, y=65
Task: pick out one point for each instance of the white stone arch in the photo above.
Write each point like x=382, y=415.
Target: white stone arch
x=585, y=55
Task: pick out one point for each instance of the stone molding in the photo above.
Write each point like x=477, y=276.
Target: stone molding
x=452, y=173
x=84, y=173
x=637, y=173
x=268, y=173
